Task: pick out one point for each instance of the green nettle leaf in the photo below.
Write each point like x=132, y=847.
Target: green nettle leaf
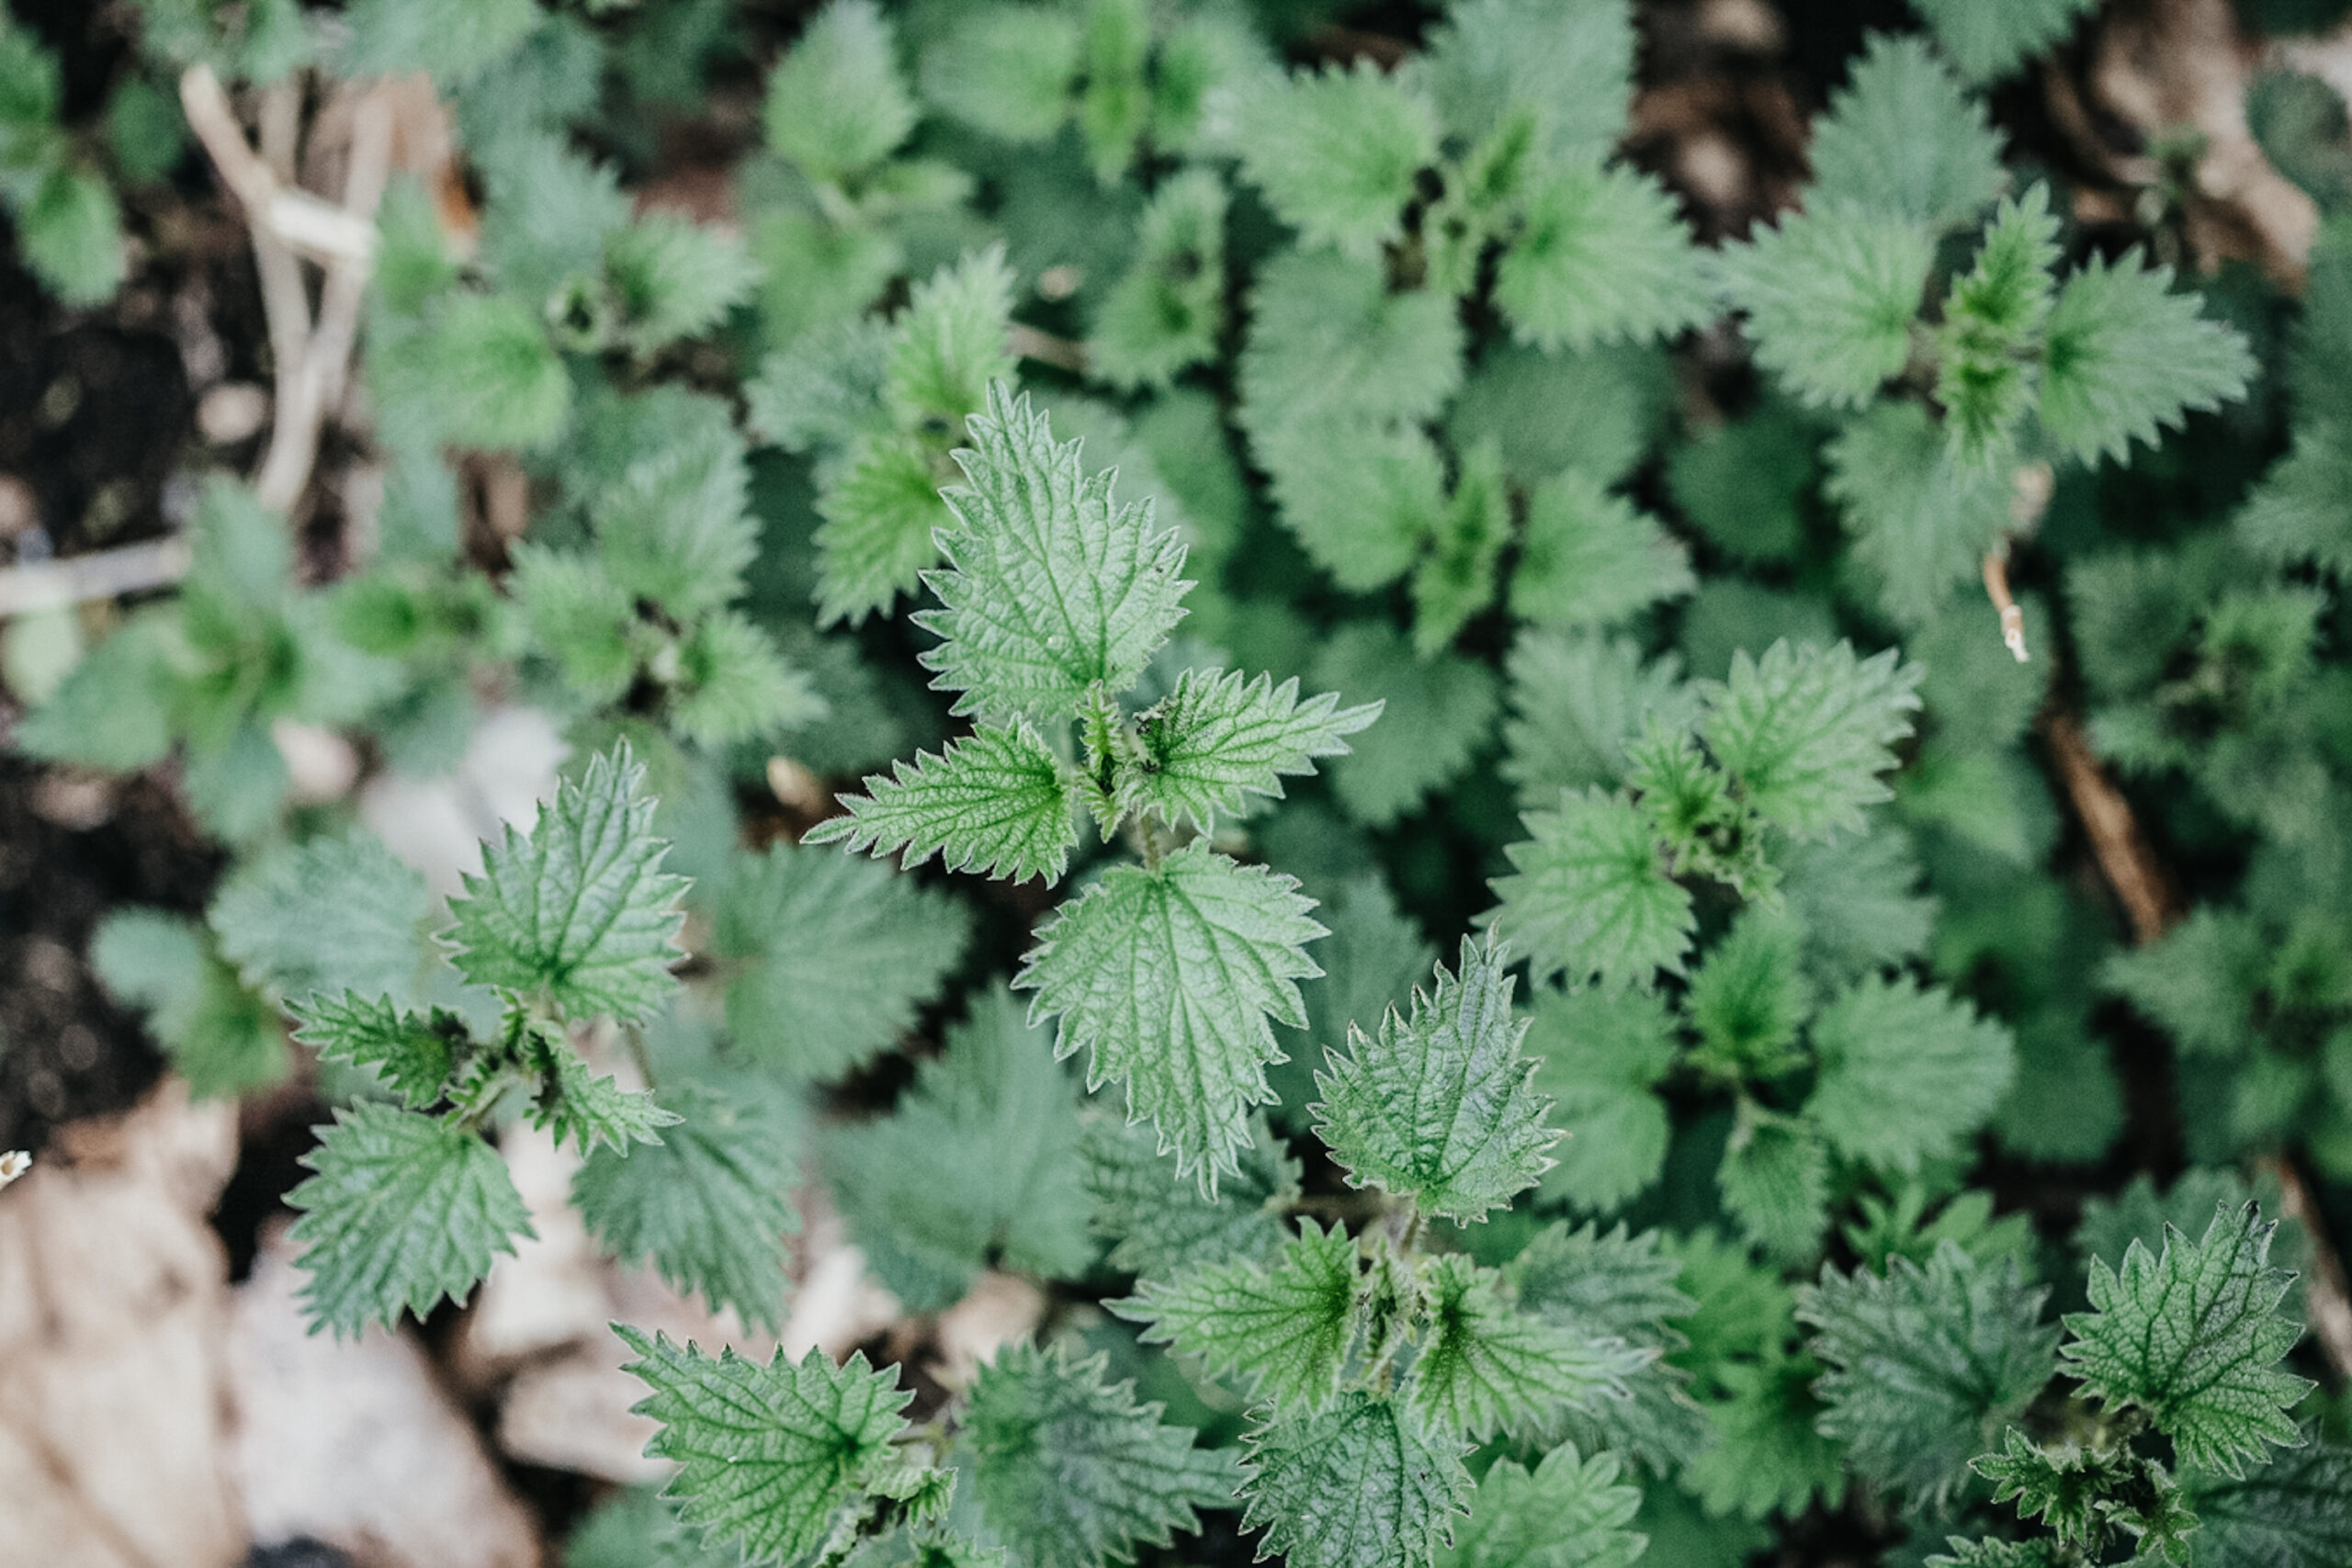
x=1570, y=1512
x=830, y=956
x=414, y=1052
x=708, y=1205
x=1329, y=342
x=1283, y=1329
x=1361, y=1485
x=1604, y=257
x=880, y=519
x=1168, y=975
x=1167, y=312
x=1991, y=1553
x=403, y=1210
x=1926, y=1364
x=1907, y=1073
x=1336, y=154
x=1571, y=65
x=1600, y=1057
x=675, y=278
x=2194, y=1336
x=1805, y=733
x=951, y=341
x=1440, y=1108
x=575, y=1103
x=998, y=803
x=1903, y=139
x=2083, y=1493
x=1575, y=702
x=836, y=105
x=1215, y=739
x=2295, y=1511
x=1921, y=520
x=2126, y=357
x=1487, y=1367
x=1830, y=297
x=1435, y=715
x=578, y=908
x=636, y=1528
x=336, y=913
x=675, y=525
x=1456, y=579
x=1071, y=1472
x=1615, y=1285
x=482, y=374
x=1590, y=558
x=1987, y=378
x=977, y=1163
x=1006, y=69
x=1048, y=589
x=1766, y=1456
x=1162, y=1225
x=766, y=1455
x=71, y=236
x=221, y=1037
x=1751, y=998
x=1590, y=896
x=1989, y=39
x=1775, y=1182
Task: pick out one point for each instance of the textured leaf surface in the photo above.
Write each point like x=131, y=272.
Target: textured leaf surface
x=1904, y=139
x=1488, y=1368
x=1604, y=258
x=1926, y=1365
x=996, y=802
x=1774, y=1180
x=1590, y=896
x=1048, y=589
x=576, y=909
x=403, y=1210
x=765, y=1454
x=1168, y=975
x=1440, y=1107
x=1907, y=1074
x=1336, y=154
x=1434, y=713
x=976, y=1165
x=2294, y=1512
x=1570, y=1512
x=1830, y=297
x=1283, y=1329
x=332, y=914
x=836, y=105
x=2126, y=357
x=708, y=1205
x=1921, y=521
x=1576, y=701
x=1071, y=1472
x=1987, y=38
x=831, y=956
x=1361, y=1485
x=413, y=1051
x=1161, y=1223
x=2193, y=1336
x=1571, y=65
x=1806, y=732
x=1589, y=558
x=1216, y=738
x=1600, y=1057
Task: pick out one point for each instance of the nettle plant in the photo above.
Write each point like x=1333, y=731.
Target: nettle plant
x=1641, y=1223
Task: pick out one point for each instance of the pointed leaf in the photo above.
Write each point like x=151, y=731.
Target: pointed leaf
x=1359, y=1485
x=1215, y=739
x=1440, y=1107
x=1168, y=975
x=1283, y=1330
x=576, y=909
x=997, y=803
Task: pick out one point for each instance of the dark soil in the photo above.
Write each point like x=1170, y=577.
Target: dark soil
x=72, y=849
